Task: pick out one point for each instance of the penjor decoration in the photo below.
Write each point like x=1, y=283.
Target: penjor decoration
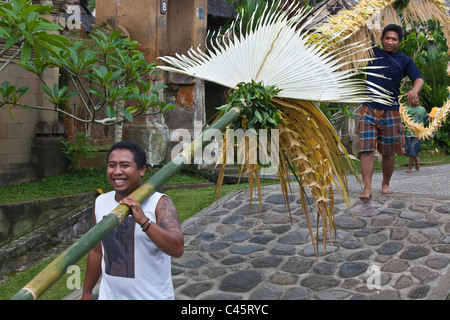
x=439, y=116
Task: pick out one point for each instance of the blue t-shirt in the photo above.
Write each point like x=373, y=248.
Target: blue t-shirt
x=398, y=66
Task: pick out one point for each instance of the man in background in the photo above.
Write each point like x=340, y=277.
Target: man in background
x=381, y=127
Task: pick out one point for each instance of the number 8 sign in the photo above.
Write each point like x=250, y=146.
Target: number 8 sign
x=163, y=6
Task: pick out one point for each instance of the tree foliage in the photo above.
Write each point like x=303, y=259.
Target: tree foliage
x=24, y=32
x=110, y=76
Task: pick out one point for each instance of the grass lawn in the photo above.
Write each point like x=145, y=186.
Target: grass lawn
x=78, y=182
x=89, y=180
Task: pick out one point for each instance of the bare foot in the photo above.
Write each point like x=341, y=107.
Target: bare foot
x=385, y=189
x=367, y=194
x=408, y=170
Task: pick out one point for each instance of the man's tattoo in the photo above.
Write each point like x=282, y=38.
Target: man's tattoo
x=169, y=214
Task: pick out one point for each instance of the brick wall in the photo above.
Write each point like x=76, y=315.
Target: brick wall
x=18, y=125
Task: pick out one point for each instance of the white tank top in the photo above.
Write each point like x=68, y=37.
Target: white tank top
x=133, y=268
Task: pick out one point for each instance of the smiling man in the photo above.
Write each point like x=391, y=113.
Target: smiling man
x=380, y=126
x=134, y=260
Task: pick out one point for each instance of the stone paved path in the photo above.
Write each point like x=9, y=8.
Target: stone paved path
x=395, y=247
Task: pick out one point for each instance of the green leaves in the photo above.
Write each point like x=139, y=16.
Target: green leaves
x=21, y=24
x=257, y=111
x=11, y=96
x=56, y=95
x=77, y=150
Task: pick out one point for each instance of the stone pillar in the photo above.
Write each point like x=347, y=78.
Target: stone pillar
x=146, y=23
x=187, y=28
x=348, y=130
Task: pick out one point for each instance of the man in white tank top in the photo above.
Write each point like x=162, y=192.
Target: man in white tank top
x=134, y=259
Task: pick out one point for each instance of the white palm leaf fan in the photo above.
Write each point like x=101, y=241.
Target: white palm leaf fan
x=280, y=51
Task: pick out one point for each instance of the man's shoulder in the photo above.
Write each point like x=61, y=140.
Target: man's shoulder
x=389, y=57
x=106, y=195
x=403, y=56
x=153, y=199
x=376, y=49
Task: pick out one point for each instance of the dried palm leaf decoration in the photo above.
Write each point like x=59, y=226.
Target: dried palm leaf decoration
x=425, y=132
x=278, y=58
x=367, y=19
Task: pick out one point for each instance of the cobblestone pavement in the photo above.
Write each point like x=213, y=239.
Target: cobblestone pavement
x=394, y=247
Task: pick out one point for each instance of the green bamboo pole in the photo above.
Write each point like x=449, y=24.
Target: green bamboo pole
x=41, y=282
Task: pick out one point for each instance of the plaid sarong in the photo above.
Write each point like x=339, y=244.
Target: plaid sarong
x=381, y=130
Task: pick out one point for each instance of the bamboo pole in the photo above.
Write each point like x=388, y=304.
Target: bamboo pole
x=49, y=275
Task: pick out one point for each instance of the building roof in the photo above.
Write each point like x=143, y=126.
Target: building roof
x=220, y=8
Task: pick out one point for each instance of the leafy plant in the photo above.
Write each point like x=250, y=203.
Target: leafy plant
x=11, y=95
x=431, y=58
x=433, y=96
x=25, y=31
x=77, y=150
x=257, y=111
x=106, y=77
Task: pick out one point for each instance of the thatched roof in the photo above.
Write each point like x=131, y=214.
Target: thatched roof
x=221, y=9
x=325, y=8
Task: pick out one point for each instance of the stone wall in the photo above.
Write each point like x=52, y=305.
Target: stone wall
x=31, y=231
x=18, y=125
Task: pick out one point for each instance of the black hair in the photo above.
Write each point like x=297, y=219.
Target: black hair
x=396, y=28
x=138, y=153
